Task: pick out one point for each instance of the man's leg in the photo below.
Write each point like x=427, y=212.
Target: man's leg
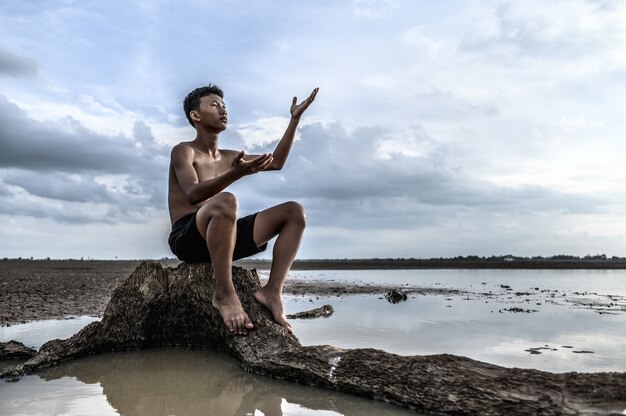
x=217, y=222
x=287, y=221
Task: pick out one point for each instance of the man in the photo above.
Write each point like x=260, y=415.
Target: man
x=205, y=227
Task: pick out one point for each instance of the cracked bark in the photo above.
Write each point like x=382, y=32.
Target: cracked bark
x=157, y=307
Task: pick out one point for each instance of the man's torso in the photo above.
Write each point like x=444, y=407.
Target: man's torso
x=206, y=167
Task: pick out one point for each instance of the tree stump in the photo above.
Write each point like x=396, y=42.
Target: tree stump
x=172, y=306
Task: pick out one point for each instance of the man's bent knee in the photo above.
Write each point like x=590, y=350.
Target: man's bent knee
x=225, y=199
x=223, y=205
x=296, y=213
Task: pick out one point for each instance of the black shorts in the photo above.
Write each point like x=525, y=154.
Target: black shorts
x=189, y=246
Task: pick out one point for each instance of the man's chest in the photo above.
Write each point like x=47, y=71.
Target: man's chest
x=207, y=168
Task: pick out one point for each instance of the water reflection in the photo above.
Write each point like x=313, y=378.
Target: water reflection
x=473, y=328
x=176, y=381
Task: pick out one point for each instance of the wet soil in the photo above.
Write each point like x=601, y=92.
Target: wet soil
x=55, y=289
x=34, y=290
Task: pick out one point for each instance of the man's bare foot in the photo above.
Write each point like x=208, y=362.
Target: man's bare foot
x=274, y=302
x=232, y=312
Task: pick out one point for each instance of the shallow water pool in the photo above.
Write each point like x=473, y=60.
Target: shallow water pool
x=171, y=381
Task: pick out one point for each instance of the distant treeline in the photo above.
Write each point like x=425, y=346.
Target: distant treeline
x=560, y=261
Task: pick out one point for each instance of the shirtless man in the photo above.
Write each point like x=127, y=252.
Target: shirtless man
x=205, y=227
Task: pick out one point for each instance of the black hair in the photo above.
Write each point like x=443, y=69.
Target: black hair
x=192, y=100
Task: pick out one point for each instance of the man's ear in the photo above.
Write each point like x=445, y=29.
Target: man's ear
x=195, y=116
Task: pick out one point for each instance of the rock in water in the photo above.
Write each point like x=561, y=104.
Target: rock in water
x=15, y=350
x=396, y=296
x=157, y=306
x=323, y=311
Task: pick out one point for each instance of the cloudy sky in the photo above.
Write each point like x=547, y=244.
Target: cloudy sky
x=441, y=128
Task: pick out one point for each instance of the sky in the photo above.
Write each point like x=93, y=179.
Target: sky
x=441, y=128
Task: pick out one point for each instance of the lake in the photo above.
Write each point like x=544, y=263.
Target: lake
x=553, y=320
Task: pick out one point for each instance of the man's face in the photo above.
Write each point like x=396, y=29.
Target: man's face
x=212, y=112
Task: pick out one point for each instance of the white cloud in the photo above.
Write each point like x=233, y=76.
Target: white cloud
x=427, y=45
x=373, y=9
x=262, y=131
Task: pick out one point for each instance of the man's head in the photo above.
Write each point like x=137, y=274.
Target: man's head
x=192, y=100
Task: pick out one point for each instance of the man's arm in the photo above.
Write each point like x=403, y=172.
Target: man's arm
x=284, y=145
x=198, y=191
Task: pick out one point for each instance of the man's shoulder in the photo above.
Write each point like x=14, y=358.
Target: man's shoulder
x=182, y=147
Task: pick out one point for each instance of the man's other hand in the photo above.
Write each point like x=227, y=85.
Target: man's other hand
x=251, y=166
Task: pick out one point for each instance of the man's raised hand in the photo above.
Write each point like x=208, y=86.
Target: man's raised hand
x=298, y=109
x=251, y=166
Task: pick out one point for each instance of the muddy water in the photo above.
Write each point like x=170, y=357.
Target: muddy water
x=165, y=381
x=172, y=381
x=552, y=320
x=556, y=338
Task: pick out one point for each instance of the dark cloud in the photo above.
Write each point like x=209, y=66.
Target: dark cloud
x=16, y=66
x=58, y=185
x=69, y=146
x=342, y=181
x=88, y=176
x=71, y=174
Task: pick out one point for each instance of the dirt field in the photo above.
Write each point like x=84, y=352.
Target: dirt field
x=32, y=290
x=48, y=289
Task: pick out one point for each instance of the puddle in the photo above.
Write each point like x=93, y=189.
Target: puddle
x=35, y=334
x=474, y=328
x=165, y=381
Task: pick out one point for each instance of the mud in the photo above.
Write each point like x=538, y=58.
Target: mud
x=54, y=289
